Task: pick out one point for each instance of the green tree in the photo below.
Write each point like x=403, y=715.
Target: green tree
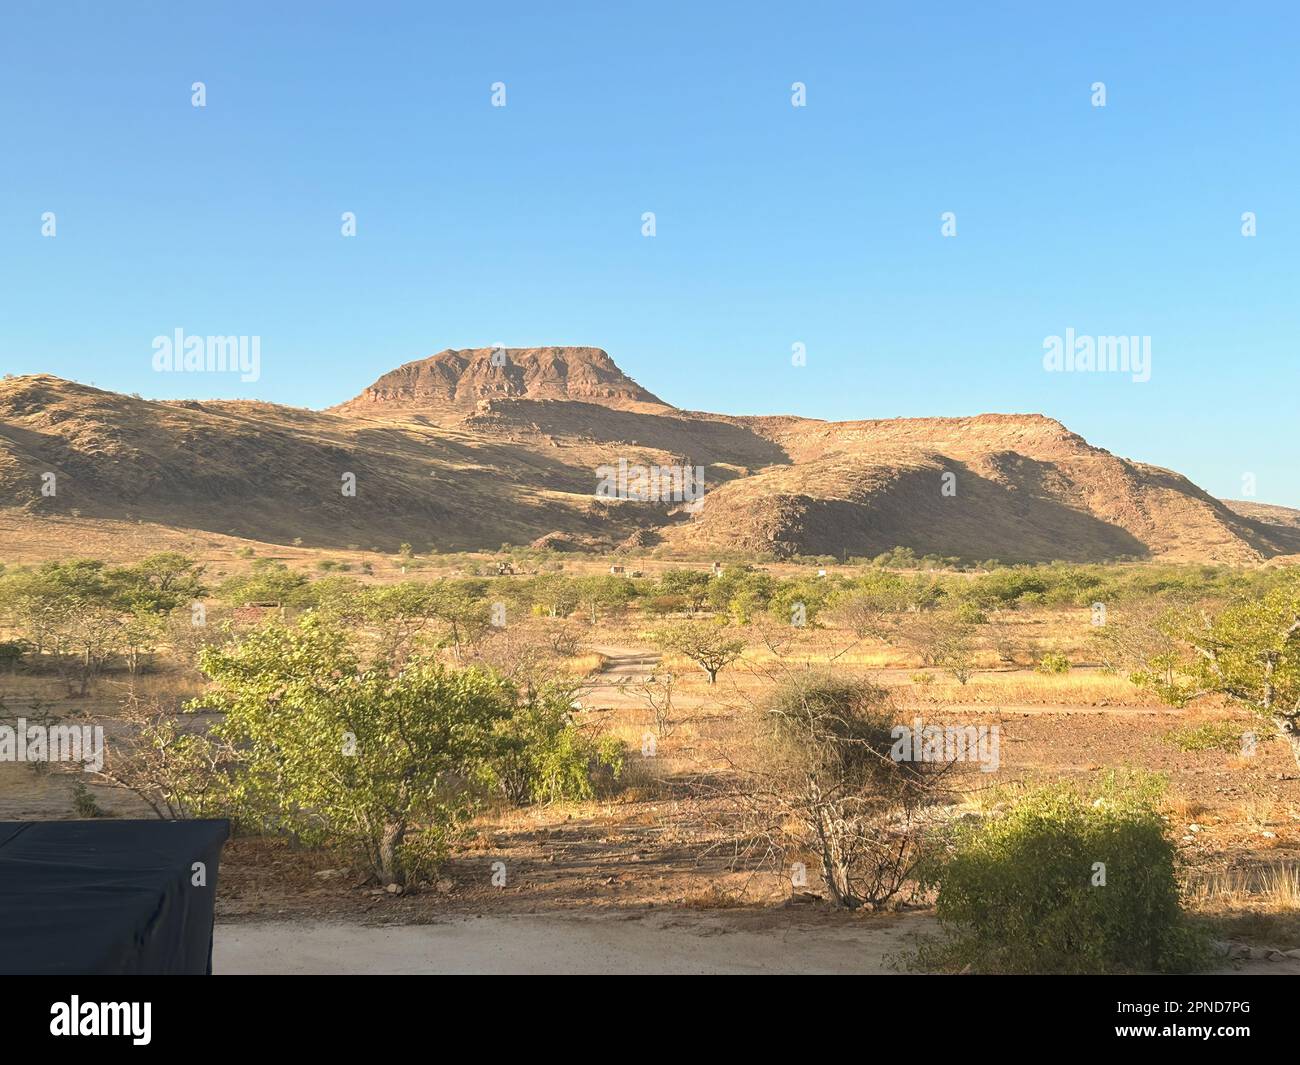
x=742, y=592
x=603, y=593
x=268, y=583
x=1249, y=651
x=159, y=583
x=691, y=585
x=556, y=595
x=349, y=754
x=546, y=756
x=812, y=593
x=709, y=646
x=141, y=632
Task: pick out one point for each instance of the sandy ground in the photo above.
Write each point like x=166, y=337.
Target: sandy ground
x=674, y=943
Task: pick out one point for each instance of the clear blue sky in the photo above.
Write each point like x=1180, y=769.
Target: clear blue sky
x=522, y=225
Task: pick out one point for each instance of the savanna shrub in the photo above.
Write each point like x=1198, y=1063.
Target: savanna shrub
x=1053, y=662
x=818, y=781
x=1062, y=882
x=543, y=755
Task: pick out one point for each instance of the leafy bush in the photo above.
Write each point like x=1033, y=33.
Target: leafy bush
x=897, y=558
x=741, y=591
x=1212, y=736
x=1053, y=662
x=810, y=595
x=544, y=756
x=1062, y=882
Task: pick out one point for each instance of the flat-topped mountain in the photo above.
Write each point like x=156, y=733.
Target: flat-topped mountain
x=459, y=380
x=469, y=449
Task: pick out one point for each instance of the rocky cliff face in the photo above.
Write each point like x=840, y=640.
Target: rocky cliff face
x=459, y=380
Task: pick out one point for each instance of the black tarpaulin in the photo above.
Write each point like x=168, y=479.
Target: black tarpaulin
x=108, y=896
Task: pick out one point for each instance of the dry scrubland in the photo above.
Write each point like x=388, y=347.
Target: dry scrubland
x=671, y=827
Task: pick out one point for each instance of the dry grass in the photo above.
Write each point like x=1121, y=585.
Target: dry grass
x=584, y=665
x=1257, y=812
x=1182, y=808
x=1079, y=688
x=1260, y=904
x=833, y=646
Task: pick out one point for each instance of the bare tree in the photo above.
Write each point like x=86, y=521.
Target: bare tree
x=864, y=614
x=169, y=761
x=944, y=641
x=813, y=777
x=656, y=691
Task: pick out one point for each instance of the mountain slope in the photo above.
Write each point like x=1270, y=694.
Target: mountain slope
x=993, y=486
x=461, y=451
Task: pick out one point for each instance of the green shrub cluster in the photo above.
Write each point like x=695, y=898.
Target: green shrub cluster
x=1062, y=881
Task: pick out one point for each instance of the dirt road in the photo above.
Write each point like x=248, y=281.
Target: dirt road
x=640, y=943
x=671, y=942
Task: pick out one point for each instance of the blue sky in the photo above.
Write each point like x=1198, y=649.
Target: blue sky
x=775, y=225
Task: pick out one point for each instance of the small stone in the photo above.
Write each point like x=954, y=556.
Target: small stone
x=394, y=889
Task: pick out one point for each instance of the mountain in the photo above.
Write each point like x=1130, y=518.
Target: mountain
x=469, y=449
x=459, y=380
